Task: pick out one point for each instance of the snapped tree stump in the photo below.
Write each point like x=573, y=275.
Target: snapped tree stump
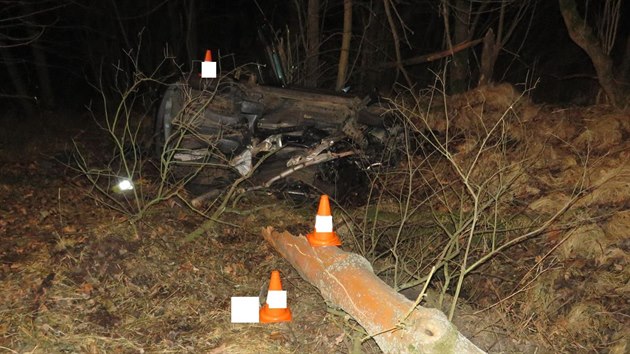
x=347, y=280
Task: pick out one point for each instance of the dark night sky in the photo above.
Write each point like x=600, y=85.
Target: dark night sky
x=80, y=37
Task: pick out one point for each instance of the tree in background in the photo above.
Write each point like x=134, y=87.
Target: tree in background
x=461, y=13
x=312, y=44
x=367, y=44
x=344, y=54
x=597, y=43
x=494, y=20
x=22, y=25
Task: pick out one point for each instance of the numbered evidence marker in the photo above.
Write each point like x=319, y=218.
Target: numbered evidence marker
x=245, y=309
x=208, y=67
x=277, y=299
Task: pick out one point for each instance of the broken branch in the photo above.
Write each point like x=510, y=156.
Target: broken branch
x=346, y=280
x=433, y=56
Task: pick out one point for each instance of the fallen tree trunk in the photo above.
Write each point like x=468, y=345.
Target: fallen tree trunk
x=347, y=280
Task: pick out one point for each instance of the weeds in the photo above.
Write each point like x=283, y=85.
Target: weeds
x=129, y=181
x=450, y=208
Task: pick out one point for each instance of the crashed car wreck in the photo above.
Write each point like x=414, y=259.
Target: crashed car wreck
x=214, y=131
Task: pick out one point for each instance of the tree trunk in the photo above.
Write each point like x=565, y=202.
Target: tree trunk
x=488, y=58
x=14, y=74
x=625, y=63
x=342, y=72
x=392, y=26
x=43, y=76
x=460, y=70
x=45, y=90
x=191, y=33
x=374, y=50
x=584, y=37
x=121, y=26
x=312, y=44
x=346, y=280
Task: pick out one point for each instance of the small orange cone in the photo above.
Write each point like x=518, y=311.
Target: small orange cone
x=208, y=67
x=271, y=315
x=323, y=234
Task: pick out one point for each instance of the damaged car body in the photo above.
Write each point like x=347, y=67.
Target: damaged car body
x=214, y=131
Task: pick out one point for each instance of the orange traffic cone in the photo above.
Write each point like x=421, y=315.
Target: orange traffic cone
x=268, y=314
x=208, y=67
x=323, y=234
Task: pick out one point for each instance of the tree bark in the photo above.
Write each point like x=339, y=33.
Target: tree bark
x=312, y=44
x=374, y=50
x=433, y=56
x=26, y=100
x=346, y=280
x=625, y=63
x=583, y=36
x=392, y=26
x=345, y=45
x=488, y=58
x=46, y=92
x=43, y=76
x=191, y=33
x=460, y=70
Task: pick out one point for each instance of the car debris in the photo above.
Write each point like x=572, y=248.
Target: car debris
x=219, y=129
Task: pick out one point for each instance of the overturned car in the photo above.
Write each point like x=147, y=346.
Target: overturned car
x=211, y=132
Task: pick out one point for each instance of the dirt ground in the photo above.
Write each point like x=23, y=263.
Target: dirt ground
x=77, y=277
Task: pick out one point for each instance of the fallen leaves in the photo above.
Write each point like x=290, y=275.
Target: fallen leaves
x=188, y=267
x=69, y=229
x=86, y=289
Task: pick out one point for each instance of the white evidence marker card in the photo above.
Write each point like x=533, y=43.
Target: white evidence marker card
x=245, y=309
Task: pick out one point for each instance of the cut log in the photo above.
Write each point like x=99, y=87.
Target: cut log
x=346, y=280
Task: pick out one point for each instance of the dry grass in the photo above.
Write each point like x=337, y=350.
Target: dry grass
x=78, y=277
x=560, y=291
x=118, y=288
